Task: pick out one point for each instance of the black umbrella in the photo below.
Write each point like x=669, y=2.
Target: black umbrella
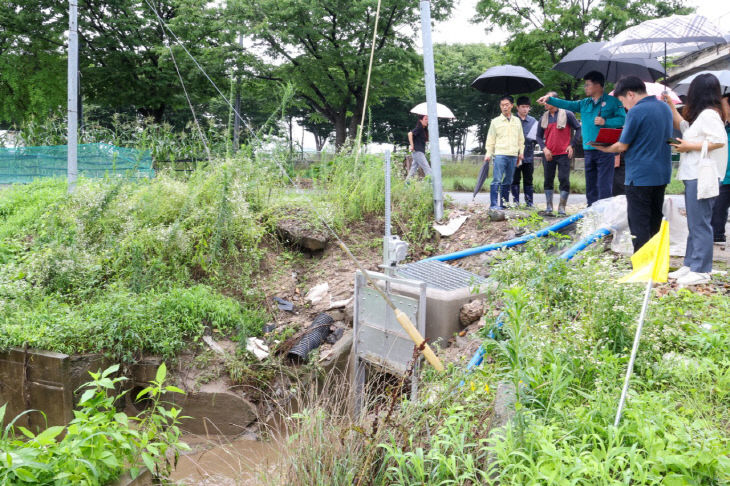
x=507, y=79
x=483, y=176
x=586, y=58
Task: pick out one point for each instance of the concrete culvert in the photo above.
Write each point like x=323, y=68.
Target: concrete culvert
x=313, y=338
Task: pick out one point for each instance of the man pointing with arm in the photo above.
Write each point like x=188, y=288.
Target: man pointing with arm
x=598, y=110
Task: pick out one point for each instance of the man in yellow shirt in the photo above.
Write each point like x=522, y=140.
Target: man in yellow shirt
x=506, y=144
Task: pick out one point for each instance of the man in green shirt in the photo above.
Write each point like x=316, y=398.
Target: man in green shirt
x=598, y=110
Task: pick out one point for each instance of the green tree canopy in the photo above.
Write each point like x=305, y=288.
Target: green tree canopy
x=323, y=48
x=542, y=32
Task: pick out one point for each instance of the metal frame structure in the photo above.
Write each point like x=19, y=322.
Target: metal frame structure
x=379, y=340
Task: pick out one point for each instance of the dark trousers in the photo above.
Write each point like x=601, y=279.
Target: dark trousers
x=562, y=162
x=619, y=176
x=719, y=213
x=525, y=171
x=644, y=208
x=599, y=175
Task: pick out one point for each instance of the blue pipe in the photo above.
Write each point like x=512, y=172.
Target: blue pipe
x=584, y=243
x=478, y=357
x=510, y=243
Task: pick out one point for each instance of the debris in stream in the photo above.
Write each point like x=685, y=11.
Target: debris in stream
x=284, y=305
x=317, y=293
x=311, y=338
x=257, y=347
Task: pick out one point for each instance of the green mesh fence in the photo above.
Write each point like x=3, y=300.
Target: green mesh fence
x=23, y=164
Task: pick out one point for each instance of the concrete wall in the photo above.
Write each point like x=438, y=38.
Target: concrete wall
x=45, y=381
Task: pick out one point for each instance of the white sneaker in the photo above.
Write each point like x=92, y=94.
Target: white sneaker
x=679, y=273
x=693, y=278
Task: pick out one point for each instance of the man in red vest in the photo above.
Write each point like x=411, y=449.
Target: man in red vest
x=556, y=134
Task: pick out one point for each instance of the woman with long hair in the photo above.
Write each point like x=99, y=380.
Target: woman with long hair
x=700, y=123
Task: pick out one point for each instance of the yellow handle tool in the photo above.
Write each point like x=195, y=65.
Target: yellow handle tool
x=406, y=324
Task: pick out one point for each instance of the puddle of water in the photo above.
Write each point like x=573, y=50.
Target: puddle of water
x=223, y=462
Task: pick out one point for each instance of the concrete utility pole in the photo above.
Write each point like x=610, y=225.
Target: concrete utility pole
x=237, y=105
x=73, y=93
x=433, y=123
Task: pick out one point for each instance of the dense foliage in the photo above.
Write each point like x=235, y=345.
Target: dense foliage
x=131, y=267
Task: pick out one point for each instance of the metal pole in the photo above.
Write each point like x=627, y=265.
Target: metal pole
x=637, y=337
x=433, y=127
x=386, y=237
x=72, y=92
x=237, y=107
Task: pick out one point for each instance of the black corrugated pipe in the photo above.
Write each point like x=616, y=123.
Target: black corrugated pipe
x=312, y=338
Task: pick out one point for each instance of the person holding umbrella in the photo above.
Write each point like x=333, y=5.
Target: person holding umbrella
x=417, y=139
x=598, y=110
x=506, y=144
x=702, y=126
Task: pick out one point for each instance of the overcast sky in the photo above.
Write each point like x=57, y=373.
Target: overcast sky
x=459, y=30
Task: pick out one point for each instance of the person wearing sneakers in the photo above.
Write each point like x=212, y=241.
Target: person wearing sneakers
x=701, y=124
x=648, y=157
x=506, y=143
x=526, y=168
x=556, y=134
x=719, y=212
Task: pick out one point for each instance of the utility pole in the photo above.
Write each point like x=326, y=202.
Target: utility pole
x=72, y=94
x=433, y=123
x=237, y=104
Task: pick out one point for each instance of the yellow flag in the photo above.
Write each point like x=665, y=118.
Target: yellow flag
x=651, y=261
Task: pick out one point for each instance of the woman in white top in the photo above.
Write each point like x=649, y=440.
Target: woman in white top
x=700, y=122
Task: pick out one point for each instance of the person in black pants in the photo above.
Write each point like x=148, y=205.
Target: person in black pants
x=722, y=203
x=557, y=134
x=619, y=174
x=648, y=157
x=527, y=167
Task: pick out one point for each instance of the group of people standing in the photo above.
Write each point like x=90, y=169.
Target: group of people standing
x=647, y=137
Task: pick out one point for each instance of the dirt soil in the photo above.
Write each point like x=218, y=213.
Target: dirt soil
x=290, y=273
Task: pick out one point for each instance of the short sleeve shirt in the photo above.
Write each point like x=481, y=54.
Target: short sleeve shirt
x=646, y=131
x=419, y=138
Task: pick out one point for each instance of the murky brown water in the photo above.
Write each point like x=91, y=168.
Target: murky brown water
x=224, y=462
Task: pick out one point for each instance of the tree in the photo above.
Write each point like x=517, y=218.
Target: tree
x=32, y=65
x=124, y=56
x=323, y=48
x=456, y=66
x=543, y=32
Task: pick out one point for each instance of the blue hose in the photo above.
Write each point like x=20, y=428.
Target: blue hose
x=509, y=243
x=478, y=357
x=584, y=243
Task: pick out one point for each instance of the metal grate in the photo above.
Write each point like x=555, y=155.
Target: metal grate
x=439, y=275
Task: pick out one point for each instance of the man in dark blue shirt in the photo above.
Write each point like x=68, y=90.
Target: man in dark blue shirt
x=648, y=157
x=526, y=168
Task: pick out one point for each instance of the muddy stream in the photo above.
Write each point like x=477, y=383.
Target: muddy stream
x=225, y=461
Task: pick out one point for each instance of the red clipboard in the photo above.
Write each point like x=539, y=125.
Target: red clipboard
x=606, y=137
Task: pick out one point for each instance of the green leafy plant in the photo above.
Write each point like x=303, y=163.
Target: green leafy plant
x=99, y=443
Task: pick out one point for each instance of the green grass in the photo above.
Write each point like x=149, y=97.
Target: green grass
x=462, y=177
x=130, y=267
